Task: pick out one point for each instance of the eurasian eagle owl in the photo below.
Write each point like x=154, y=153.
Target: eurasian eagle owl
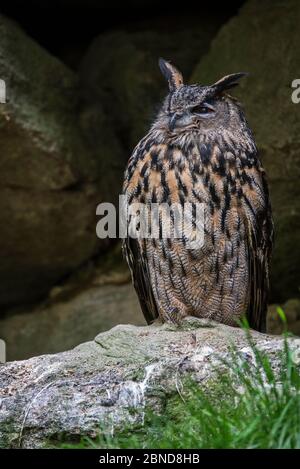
x=200, y=150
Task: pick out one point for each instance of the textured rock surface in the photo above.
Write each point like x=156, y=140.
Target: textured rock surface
x=263, y=40
x=110, y=381
x=50, y=180
x=58, y=325
x=95, y=298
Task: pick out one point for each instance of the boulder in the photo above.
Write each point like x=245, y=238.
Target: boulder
x=110, y=382
x=263, y=40
x=54, y=326
x=51, y=179
x=95, y=297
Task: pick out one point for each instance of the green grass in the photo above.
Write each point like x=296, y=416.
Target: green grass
x=246, y=406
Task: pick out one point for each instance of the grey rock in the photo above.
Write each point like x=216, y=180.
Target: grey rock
x=263, y=40
x=57, y=325
x=51, y=180
x=109, y=383
x=96, y=297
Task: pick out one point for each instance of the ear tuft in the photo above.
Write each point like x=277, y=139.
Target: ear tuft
x=172, y=75
x=229, y=81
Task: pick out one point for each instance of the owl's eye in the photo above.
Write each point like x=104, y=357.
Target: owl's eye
x=202, y=109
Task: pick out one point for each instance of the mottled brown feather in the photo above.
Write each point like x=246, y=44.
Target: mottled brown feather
x=187, y=157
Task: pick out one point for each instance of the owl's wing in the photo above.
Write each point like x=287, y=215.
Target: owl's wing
x=259, y=246
x=138, y=265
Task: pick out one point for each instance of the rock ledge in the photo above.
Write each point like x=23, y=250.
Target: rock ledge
x=100, y=382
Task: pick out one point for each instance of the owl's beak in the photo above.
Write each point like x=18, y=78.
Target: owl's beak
x=180, y=119
x=172, y=121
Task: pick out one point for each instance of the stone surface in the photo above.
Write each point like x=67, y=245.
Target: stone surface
x=109, y=382
x=291, y=310
x=263, y=40
x=96, y=297
x=58, y=325
x=50, y=178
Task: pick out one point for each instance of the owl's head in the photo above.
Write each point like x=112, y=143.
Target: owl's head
x=196, y=107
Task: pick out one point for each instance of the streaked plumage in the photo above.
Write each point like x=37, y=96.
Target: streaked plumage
x=201, y=150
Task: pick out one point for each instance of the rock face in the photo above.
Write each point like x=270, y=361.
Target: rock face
x=54, y=326
x=262, y=40
x=50, y=179
x=109, y=382
x=96, y=297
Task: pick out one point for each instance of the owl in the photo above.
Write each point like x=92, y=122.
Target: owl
x=200, y=151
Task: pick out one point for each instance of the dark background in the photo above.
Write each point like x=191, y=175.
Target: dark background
x=62, y=25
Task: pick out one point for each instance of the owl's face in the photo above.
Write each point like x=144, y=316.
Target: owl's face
x=196, y=107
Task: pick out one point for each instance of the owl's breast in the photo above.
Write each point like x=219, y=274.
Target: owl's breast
x=228, y=187
x=225, y=185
